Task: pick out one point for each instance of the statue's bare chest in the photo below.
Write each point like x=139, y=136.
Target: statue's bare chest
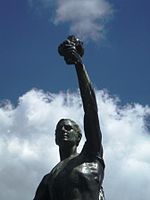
x=75, y=174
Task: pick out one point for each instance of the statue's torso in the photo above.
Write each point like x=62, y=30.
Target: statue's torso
x=76, y=178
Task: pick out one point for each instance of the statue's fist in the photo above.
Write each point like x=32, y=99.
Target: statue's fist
x=72, y=50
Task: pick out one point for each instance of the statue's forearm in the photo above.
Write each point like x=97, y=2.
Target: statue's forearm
x=86, y=89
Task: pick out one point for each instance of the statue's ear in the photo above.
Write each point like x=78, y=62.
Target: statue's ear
x=79, y=138
x=56, y=139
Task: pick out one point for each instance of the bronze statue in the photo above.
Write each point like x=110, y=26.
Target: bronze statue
x=76, y=176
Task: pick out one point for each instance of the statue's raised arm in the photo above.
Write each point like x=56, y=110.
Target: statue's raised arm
x=72, y=50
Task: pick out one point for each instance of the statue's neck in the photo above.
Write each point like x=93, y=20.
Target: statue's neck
x=67, y=152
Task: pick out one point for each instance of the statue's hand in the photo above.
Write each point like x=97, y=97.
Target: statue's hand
x=72, y=50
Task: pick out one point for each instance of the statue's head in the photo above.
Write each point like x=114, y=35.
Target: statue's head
x=67, y=132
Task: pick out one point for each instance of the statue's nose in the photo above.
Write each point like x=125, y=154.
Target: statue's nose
x=64, y=130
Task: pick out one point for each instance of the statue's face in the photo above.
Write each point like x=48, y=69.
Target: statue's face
x=66, y=133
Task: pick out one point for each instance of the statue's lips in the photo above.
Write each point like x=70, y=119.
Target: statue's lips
x=65, y=136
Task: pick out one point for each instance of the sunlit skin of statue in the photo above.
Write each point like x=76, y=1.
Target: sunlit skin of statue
x=76, y=176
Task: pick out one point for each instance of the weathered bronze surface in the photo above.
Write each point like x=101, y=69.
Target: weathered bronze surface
x=76, y=176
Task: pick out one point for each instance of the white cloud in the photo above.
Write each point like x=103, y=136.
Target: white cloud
x=28, y=151
x=86, y=18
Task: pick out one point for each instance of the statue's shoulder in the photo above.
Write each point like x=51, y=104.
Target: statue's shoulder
x=57, y=168
x=61, y=165
x=87, y=153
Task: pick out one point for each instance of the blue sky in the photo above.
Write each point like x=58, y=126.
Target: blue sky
x=29, y=58
x=116, y=34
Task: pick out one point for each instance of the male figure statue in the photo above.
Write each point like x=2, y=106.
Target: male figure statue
x=76, y=176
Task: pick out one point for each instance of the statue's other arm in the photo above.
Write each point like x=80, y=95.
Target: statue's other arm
x=42, y=192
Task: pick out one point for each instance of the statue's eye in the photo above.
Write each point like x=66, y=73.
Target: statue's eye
x=67, y=127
